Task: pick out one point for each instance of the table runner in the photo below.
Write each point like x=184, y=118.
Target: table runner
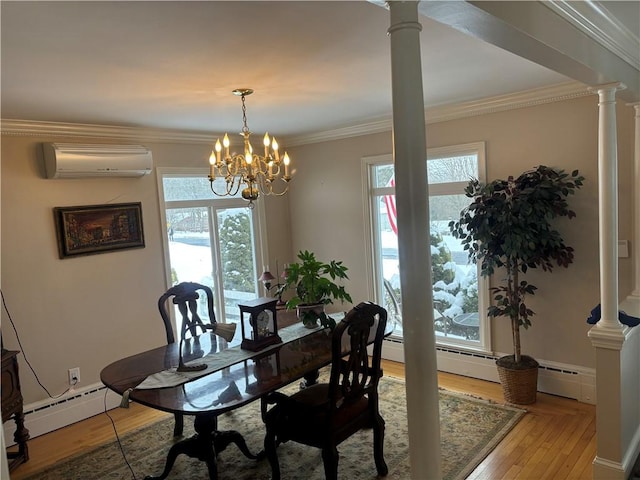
x=219, y=360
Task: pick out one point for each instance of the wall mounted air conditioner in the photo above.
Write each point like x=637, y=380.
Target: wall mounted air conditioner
x=71, y=160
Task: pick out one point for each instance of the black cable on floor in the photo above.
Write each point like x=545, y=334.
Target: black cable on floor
x=115, y=430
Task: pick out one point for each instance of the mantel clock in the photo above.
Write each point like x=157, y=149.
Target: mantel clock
x=259, y=323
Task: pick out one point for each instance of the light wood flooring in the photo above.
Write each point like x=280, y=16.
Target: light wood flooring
x=555, y=440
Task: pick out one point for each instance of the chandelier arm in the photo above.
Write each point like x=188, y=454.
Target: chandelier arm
x=278, y=194
x=231, y=188
x=265, y=186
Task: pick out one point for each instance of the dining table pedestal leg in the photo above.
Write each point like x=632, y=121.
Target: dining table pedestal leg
x=205, y=445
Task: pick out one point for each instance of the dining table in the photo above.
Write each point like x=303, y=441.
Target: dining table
x=233, y=377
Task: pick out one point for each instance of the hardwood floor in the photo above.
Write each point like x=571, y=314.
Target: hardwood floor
x=555, y=440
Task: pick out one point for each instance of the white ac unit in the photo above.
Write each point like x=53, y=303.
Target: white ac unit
x=71, y=160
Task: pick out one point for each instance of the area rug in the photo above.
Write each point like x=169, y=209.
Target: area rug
x=470, y=429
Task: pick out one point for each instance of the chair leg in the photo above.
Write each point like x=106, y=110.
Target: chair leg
x=179, y=426
x=378, y=446
x=271, y=454
x=330, y=457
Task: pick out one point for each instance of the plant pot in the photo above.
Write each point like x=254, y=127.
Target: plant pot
x=519, y=381
x=303, y=311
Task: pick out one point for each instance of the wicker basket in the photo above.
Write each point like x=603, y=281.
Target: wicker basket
x=519, y=386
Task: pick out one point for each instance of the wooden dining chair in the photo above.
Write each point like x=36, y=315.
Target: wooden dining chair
x=325, y=414
x=185, y=296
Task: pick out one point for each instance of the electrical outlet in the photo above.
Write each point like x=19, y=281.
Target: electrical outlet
x=74, y=376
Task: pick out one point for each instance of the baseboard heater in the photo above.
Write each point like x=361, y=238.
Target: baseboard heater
x=556, y=379
x=493, y=358
x=61, y=401
x=51, y=414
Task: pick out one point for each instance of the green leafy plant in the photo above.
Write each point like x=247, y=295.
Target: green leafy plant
x=315, y=284
x=509, y=225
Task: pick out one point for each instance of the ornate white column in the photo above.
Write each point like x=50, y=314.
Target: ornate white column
x=635, y=248
x=608, y=206
x=607, y=336
x=409, y=153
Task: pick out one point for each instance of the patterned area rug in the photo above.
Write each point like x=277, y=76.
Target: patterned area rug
x=470, y=429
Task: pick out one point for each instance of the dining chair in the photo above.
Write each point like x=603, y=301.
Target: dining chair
x=325, y=414
x=185, y=296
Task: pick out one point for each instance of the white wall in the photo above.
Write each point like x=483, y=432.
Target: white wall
x=326, y=209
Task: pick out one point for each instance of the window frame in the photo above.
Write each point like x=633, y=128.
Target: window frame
x=213, y=204
x=372, y=231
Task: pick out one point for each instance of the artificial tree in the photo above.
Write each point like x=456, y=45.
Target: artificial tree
x=509, y=225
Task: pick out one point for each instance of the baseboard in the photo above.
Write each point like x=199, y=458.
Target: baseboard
x=48, y=415
x=604, y=469
x=567, y=381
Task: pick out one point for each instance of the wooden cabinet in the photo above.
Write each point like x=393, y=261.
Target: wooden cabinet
x=12, y=408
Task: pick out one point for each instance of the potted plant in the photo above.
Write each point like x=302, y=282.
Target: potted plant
x=315, y=287
x=508, y=225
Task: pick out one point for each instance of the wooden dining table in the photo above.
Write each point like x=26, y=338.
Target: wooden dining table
x=233, y=378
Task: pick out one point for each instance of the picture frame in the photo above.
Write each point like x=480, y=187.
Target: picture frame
x=93, y=229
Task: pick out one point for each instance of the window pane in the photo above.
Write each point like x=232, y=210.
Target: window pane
x=189, y=245
x=239, y=276
x=192, y=188
x=439, y=170
x=455, y=280
x=190, y=251
x=382, y=174
x=388, y=259
x=452, y=169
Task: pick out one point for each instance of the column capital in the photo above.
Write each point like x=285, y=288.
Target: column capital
x=403, y=15
x=606, y=87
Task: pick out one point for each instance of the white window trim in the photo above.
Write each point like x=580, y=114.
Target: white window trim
x=370, y=223
x=261, y=249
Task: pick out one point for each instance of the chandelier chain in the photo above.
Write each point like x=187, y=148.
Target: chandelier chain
x=245, y=128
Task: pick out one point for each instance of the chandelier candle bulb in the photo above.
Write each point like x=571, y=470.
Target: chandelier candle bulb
x=265, y=142
x=212, y=172
x=226, y=143
x=218, y=150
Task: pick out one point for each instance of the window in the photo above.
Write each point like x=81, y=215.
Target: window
x=459, y=293
x=211, y=240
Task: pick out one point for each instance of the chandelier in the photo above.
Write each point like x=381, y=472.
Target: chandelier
x=259, y=173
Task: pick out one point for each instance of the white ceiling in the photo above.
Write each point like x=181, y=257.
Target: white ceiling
x=314, y=65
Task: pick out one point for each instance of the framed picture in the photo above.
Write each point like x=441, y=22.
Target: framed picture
x=92, y=229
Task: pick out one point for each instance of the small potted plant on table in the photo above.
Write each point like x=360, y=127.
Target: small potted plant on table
x=508, y=225
x=315, y=286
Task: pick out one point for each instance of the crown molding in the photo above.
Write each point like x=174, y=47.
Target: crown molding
x=81, y=130
x=593, y=19
x=511, y=101
x=444, y=113
x=435, y=114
